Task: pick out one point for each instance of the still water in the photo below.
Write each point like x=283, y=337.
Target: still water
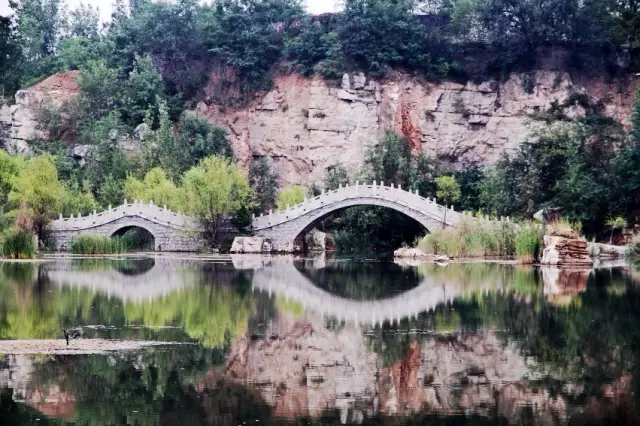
x=251, y=340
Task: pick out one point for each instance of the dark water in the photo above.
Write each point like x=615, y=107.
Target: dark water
x=278, y=341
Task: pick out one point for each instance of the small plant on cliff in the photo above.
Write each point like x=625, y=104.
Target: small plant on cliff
x=616, y=223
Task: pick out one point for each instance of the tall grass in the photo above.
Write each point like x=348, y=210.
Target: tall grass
x=528, y=244
x=472, y=239
x=17, y=244
x=477, y=238
x=96, y=244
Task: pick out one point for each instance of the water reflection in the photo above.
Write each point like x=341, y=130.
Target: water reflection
x=280, y=339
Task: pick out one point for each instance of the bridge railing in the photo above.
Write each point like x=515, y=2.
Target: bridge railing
x=137, y=208
x=396, y=194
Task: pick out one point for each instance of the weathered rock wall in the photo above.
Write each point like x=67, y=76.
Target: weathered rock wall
x=307, y=125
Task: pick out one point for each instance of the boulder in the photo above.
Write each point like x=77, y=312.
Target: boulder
x=359, y=81
x=606, y=251
x=316, y=240
x=251, y=245
x=81, y=152
x=140, y=131
x=561, y=250
x=416, y=253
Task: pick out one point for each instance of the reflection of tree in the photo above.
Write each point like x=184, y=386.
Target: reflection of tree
x=207, y=313
x=32, y=308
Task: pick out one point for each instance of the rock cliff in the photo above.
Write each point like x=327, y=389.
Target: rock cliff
x=307, y=125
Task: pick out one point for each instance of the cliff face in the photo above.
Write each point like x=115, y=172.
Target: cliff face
x=306, y=126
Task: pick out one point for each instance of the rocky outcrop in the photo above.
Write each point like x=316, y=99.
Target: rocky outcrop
x=251, y=245
x=565, y=248
x=21, y=120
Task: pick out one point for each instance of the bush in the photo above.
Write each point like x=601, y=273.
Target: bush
x=528, y=244
x=17, y=244
x=96, y=244
x=472, y=239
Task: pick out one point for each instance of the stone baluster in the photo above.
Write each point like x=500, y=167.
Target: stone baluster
x=125, y=202
x=452, y=209
x=400, y=186
x=95, y=213
x=60, y=216
x=150, y=202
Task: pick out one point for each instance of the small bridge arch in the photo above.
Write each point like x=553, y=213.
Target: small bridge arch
x=171, y=231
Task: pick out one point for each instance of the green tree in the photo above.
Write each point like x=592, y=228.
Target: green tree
x=39, y=191
x=616, y=223
x=336, y=176
x=144, y=92
x=111, y=191
x=9, y=169
x=156, y=187
x=264, y=182
x=249, y=36
x=448, y=192
x=378, y=35
x=214, y=190
x=290, y=196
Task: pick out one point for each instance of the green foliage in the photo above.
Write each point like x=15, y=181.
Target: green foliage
x=448, y=189
x=9, y=168
x=567, y=164
x=111, y=191
x=264, y=182
x=216, y=188
x=17, y=244
x=249, y=36
x=38, y=190
x=310, y=47
x=290, y=196
x=336, y=176
x=616, y=223
x=96, y=245
x=156, y=187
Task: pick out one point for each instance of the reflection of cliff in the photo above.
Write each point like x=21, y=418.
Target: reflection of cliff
x=310, y=369
x=562, y=286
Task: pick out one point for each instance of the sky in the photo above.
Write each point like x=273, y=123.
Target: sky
x=314, y=6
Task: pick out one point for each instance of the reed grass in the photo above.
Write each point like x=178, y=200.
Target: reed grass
x=528, y=244
x=471, y=239
x=96, y=244
x=477, y=238
x=17, y=244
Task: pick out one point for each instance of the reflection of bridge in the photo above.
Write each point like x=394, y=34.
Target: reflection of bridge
x=283, y=278
x=176, y=232
x=163, y=279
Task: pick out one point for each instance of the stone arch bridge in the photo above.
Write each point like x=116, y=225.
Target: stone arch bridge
x=171, y=231
x=177, y=232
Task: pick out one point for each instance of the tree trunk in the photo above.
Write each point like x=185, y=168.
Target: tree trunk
x=444, y=223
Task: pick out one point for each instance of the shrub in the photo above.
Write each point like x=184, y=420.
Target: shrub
x=96, y=244
x=17, y=244
x=528, y=244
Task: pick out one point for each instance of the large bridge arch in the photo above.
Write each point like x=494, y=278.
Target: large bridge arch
x=284, y=226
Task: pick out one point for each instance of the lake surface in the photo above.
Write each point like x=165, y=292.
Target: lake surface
x=283, y=340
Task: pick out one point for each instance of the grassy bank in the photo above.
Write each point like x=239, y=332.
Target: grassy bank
x=95, y=244
x=17, y=244
x=483, y=239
